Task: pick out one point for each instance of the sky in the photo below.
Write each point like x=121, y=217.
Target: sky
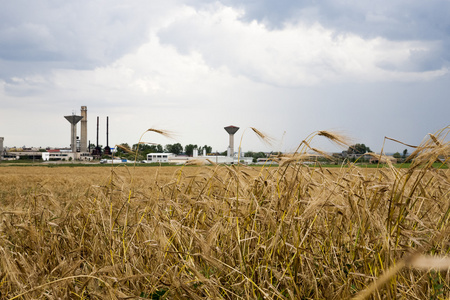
x=363, y=69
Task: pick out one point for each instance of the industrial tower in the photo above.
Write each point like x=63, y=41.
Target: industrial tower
x=83, y=137
x=231, y=131
x=73, y=120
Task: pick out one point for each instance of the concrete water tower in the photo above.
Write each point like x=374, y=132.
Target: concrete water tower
x=73, y=120
x=231, y=131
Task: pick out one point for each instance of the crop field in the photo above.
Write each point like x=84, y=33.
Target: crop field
x=228, y=232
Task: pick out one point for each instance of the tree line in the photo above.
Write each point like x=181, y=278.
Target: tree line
x=143, y=149
x=124, y=150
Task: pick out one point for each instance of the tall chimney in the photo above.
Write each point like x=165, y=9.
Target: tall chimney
x=83, y=138
x=107, y=131
x=107, y=149
x=97, y=129
x=97, y=151
x=231, y=131
x=73, y=120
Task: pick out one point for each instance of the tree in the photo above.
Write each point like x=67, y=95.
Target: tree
x=145, y=149
x=224, y=153
x=249, y=154
x=123, y=149
x=358, y=149
x=397, y=155
x=189, y=149
x=174, y=148
x=255, y=155
x=405, y=152
x=206, y=147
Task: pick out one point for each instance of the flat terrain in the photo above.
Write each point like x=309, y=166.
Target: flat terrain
x=224, y=232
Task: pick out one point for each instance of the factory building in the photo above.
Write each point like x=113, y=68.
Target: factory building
x=79, y=149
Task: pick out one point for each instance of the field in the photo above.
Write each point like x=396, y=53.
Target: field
x=227, y=232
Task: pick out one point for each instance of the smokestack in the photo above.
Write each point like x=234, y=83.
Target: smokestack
x=231, y=131
x=73, y=120
x=83, y=138
x=97, y=129
x=107, y=131
x=107, y=150
x=97, y=151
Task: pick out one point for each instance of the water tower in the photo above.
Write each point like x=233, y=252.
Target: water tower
x=73, y=120
x=231, y=131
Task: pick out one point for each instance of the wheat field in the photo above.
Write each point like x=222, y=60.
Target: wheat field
x=228, y=232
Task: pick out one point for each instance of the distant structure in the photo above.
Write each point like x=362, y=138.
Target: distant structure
x=97, y=151
x=230, y=158
x=1, y=148
x=231, y=131
x=73, y=120
x=107, y=149
x=83, y=137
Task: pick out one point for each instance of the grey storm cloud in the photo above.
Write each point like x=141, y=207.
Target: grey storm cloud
x=393, y=20
x=76, y=35
x=403, y=19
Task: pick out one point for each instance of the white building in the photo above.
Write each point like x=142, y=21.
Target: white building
x=57, y=155
x=65, y=155
x=159, y=157
x=208, y=159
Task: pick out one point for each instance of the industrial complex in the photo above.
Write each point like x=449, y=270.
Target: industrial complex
x=80, y=148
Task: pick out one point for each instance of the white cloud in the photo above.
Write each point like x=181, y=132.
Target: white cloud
x=296, y=54
x=81, y=34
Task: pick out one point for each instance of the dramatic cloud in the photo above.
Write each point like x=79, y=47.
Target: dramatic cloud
x=80, y=35
x=297, y=53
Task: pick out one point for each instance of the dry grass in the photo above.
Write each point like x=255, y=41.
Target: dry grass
x=227, y=232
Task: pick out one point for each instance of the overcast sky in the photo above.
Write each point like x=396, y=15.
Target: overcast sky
x=365, y=69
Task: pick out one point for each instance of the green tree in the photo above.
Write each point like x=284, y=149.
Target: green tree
x=174, y=148
x=397, y=155
x=405, y=153
x=358, y=149
x=249, y=154
x=189, y=149
x=255, y=155
x=123, y=149
x=206, y=147
x=145, y=149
